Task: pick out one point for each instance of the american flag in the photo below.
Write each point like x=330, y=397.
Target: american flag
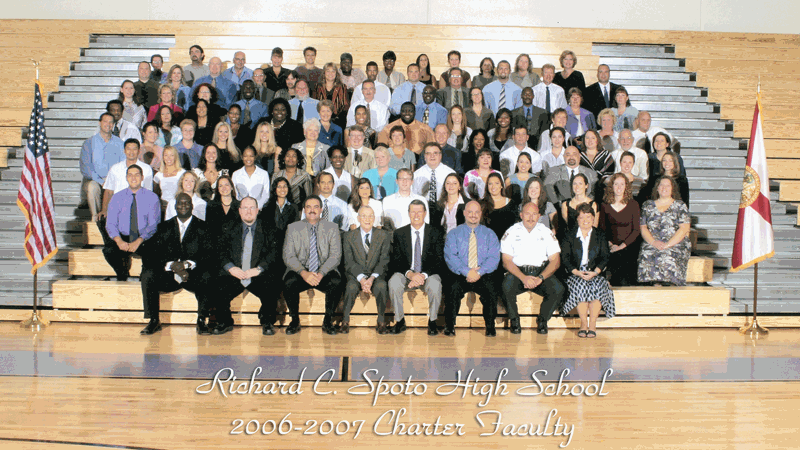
x=35, y=197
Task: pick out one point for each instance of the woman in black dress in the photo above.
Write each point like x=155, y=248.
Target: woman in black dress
x=280, y=210
x=223, y=210
x=569, y=78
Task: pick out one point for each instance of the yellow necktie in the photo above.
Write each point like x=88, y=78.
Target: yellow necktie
x=473, y=250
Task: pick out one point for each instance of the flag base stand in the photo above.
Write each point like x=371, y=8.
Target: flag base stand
x=35, y=323
x=754, y=330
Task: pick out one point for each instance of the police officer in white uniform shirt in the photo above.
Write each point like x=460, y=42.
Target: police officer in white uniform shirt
x=531, y=255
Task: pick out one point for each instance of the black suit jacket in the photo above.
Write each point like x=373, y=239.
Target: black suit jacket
x=266, y=252
x=593, y=98
x=166, y=245
x=451, y=157
x=432, y=251
x=146, y=92
x=572, y=251
x=357, y=261
x=437, y=213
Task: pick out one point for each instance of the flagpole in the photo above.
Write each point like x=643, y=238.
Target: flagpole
x=35, y=323
x=754, y=330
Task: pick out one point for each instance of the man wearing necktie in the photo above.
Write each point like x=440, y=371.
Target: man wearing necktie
x=312, y=252
x=455, y=93
x=472, y=253
x=366, y=260
x=600, y=95
x=548, y=95
x=226, y=89
x=558, y=179
x=252, y=108
x=182, y=261
x=416, y=263
x=132, y=218
x=250, y=257
x=530, y=116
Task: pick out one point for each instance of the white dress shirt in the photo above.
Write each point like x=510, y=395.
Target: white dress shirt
x=395, y=207
x=549, y=160
x=256, y=185
x=557, y=97
x=116, y=180
x=378, y=112
x=382, y=93
x=377, y=209
x=508, y=160
x=640, y=161
x=422, y=178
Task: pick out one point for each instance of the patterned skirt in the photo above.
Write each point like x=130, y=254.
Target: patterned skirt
x=581, y=290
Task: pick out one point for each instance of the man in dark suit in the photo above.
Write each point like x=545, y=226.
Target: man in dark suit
x=312, y=251
x=558, y=179
x=455, y=93
x=416, y=263
x=366, y=258
x=451, y=156
x=531, y=117
x=178, y=258
x=250, y=257
x=600, y=95
x=145, y=88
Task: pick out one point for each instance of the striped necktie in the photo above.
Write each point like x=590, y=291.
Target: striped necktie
x=502, y=103
x=313, y=255
x=473, y=250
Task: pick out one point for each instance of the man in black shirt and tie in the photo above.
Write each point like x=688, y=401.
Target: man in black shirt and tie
x=250, y=258
x=312, y=252
x=179, y=259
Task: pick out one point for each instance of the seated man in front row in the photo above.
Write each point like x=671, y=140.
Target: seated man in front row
x=531, y=256
x=179, y=260
x=472, y=253
x=133, y=215
x=366, y=258
x=416, y=263
x=312, y=251
x=250, y=257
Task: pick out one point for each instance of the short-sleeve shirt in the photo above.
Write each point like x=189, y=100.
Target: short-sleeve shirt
x=532, y=248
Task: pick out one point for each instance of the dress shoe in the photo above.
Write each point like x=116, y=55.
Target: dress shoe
x=432, y=330
x=381, y=328
x=449, y=331
x=327, y=327
x=399, y=327
x=344, y=328
x=294, y=327
x=222, y=328
x=152, y=327
x=541, y=327
x=202, y=328
x=490, y=331
x=515, y=327
x=267, y=329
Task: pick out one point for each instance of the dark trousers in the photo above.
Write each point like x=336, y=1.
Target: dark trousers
x=380, y=289
x=486, y=289
x=265, y=287
x=156, y=280
x=624, y=265
x=551, y=289
x=294, y=284
x=119, y=260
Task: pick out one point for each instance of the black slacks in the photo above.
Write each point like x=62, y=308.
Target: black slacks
x=294, y=284
x=552, y=290
x=156, y=280
x=265, y=286
x=485, y=287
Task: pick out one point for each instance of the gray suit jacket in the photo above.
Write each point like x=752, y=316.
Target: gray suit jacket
x=557, y=183
x=443, y=97
x=320, y=161
x=357, y=261
x=296, y=249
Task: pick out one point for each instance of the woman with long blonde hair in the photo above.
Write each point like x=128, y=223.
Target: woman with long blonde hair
x=229, y=155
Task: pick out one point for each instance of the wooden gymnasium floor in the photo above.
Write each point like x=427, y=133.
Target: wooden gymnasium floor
x=105, y=386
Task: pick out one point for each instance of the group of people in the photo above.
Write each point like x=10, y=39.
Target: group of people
x=493, y=160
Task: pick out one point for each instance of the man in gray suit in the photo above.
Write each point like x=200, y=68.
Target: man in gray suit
x=531, y=117
x=455, y=94
x=558, y=179
x=366, y=258
x=312, y=251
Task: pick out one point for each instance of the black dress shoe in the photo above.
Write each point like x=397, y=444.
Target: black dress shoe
x=449, y=331
x=490, y=331
x=294, y=327
x=222, y=328
x=541, y=327
x=432, y=330
x=328, y=328
x=515, y=327
x=344, y=328
x=381, y=328
x=153, y=327
x=267, y=329
x=202, y=328
x=399, y=327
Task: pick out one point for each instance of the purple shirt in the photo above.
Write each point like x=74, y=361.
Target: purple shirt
x=456, y=249
x=148, y=207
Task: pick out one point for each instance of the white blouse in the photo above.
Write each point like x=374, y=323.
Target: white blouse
x=256, y=185
x=168, y=185
x=377, y=209
x=198, y=208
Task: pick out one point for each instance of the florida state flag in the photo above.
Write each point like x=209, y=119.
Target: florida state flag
x=754, y=241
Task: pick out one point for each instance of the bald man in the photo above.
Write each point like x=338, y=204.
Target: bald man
x=226, y=89
x=238, y=73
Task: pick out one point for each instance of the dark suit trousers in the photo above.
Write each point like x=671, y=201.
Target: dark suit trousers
x=624, y=265
x=264, y=286
x=294, y=284
x=119, y=260
x=155, y=281
x=380, y=289
x=486, y=289
x=552, y=291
